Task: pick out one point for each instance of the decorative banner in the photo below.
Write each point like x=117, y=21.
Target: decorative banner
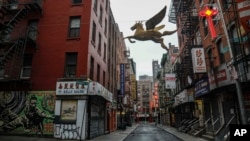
x=170, y=81
x=198, y=59
x=244, y=14
x=122, y=80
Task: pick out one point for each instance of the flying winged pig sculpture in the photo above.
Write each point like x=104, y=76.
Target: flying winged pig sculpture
x=152, y=32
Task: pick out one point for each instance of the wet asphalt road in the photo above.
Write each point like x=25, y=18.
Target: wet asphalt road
x=150, y=132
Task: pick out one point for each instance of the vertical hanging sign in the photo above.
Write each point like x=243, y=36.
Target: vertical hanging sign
x=170, y=81
x=122, y=80
x=209, y=13
x=244, y=13
x=198, y=59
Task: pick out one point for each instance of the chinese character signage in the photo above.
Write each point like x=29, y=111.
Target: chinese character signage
x=244, y=14
x=71, y=88
x=82, y=88
x=199, y=62
x=170, y=81
x=201, y=87
x=122, y=80
x=96, y=88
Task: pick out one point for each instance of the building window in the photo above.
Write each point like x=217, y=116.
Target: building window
x=13, y=4
x=26, y=66
x=70, y=64
x=100, y=44
x=107, y=4
x=76, y=1
x=220, y=47
x=92, y=68
x=101, y=14
x=210, y=58
x=226, y=3
x=1, y=69
x=105, y=26
x=198, y=38
x=1, y=73
x=32, y=32
x=103, y=78
x=93, y=33
x=105, y=52
x=205, y=27
x=74, y=28
x=98, y=72
x=234, y=38
x=95, y=5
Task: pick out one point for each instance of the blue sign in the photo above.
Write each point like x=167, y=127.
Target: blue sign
x=122, y=80
x=201, y=87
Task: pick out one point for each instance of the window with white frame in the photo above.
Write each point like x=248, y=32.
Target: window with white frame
x=74, y=27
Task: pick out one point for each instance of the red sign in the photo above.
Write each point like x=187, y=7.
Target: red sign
x=209, y=13
x=244, y=13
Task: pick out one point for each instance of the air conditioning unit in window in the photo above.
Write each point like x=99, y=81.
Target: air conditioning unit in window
x=25, y=72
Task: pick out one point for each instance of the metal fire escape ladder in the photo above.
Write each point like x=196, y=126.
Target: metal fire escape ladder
x=189, y=23
x=15, y=52
x=237, y=44
x=26, y=7
x=13, y=48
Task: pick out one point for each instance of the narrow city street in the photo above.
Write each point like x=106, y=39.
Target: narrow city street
x=150, y=132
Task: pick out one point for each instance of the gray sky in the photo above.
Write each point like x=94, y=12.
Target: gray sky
x=126, y=13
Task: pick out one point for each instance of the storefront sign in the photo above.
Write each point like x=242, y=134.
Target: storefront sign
x=71, y=88
x=244, y=14
x=96, y=88
x=170, y=81
x=201, y=87
x=198, y=59
x=181, y=98
x=122, y=80
x=220, y=77
x=80, y=88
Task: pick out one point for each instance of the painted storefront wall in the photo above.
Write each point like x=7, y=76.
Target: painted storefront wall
x=27, y=112
x=80, y=109
x=70, y=119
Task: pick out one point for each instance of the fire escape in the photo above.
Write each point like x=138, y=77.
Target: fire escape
x=187, y=23
x=240, y=42
x=15, y=40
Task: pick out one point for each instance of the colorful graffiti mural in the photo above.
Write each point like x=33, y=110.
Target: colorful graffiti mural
x=27, y=112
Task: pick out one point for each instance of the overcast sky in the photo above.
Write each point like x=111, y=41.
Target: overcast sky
x=126, y=13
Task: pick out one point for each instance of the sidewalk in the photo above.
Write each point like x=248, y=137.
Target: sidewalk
x=181, y=135
x=118, y=135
